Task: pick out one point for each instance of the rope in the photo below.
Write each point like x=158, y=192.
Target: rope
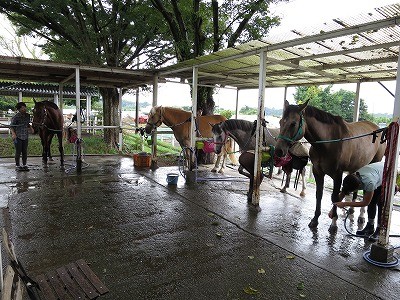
x=366, y=255
x=374, y=133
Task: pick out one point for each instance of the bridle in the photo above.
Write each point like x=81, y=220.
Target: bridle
x=42, y=124
x=158, y=123
x=299, y=133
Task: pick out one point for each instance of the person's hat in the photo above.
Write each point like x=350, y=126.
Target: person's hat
x=351, y=183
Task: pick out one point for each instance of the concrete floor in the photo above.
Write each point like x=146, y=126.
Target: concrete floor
x=148, y=240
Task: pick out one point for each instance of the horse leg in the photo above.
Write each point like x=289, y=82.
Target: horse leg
x=337, y=183
x=287, y=181
x=319, y=181
x=49, y=140
x=216, y=165
x=44, y=147
x=222, y=170
x=303, y=182
x=361, y=218
x=60, y=148
x=246, y=161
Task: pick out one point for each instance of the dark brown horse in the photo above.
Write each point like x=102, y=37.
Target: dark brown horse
x=48, y=121
x=243, y=132
x=337, y=146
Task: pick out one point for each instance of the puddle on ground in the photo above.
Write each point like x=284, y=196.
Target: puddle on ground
x=24, y=186
x=132, y=179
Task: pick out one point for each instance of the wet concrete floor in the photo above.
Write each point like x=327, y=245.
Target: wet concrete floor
x=148, y=240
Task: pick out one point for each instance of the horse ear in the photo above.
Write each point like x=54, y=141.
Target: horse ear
x=303, y=106
x=285, y=105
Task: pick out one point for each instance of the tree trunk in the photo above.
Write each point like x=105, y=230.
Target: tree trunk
x=110, y=115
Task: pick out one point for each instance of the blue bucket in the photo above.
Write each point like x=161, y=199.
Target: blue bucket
x=172, y=178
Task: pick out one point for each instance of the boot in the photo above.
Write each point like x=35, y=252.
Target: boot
x=367, y=231
x=375, y=235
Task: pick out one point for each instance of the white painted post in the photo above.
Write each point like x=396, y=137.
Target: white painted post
x=154, y=135
x=78, y=120
x=19, y=96
x=382, y=251
x=259, y=129
x=194, y=108
x=120, y=140
x=55, y=100
x=88, y=110
x=60, y=97
x=356, y=111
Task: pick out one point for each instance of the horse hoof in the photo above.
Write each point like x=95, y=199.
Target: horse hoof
x=333, y=229
x=51, y=159
x=313, y=224
x=214, y=170
x=283, y=191
x=302, y=194
x=361, y=220
x=221, y=172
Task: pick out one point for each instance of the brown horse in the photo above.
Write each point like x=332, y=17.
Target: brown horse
x=180, y=123
x=337, y=146
x=49, y=121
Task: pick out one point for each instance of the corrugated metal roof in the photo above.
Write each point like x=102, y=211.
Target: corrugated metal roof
x=353, y=49
x=34, y=70
x=43, y=90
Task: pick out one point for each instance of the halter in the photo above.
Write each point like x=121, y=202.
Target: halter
x=159, y=122
x=298, y=134
x=41, y=125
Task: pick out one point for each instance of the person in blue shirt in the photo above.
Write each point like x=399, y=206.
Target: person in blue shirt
x=20, y=128
x=368, y=179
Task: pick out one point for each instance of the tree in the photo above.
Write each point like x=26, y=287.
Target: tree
x=200, y=27
x=116, y=32
x=103, y=32
x=340, y=103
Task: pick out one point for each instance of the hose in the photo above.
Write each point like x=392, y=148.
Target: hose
x=366, y=255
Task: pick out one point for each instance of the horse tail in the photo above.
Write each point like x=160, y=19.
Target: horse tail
x=231, y=153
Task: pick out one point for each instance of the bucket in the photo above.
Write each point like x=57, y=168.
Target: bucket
x=199, y=145
x=208, y=147
x=142, y=160
x=172, y=178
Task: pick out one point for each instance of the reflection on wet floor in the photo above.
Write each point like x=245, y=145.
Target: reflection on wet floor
x=132, y=178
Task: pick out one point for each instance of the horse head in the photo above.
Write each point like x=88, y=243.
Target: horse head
x=39, y=115
x=219, y=136
x=292, y=127
x=154, y=119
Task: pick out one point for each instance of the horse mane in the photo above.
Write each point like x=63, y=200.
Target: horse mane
x=318, y=114
x=233, y=124
x=50, y=104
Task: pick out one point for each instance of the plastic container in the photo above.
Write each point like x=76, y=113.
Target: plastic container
x=172, y=178
x=199, y=145
x=208, y=147
x=142, y=160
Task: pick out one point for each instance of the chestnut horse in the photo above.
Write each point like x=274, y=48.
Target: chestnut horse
x=243, y=132
x=180, y=123
x=337, y=146
x=49, y=121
